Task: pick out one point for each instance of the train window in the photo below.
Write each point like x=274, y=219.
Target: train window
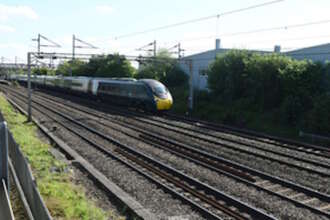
x=140, y=92
x=158, y=88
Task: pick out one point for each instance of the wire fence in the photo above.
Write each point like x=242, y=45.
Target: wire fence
x=34, y=206
x=5, y=207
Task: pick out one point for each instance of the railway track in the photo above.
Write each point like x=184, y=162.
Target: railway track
x=308, y=165
x=209, y=201
x=257, y=136
x=204, y=128
x=320, y=152
x=209, y=126
x=299, y=195
x=285, y=155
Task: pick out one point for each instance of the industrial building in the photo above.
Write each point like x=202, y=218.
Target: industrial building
x=200, y=61
x=318, y=53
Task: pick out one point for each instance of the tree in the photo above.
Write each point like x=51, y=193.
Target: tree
x=98, y=66
x=163, y=68
x=75, y=67
x=112, y=66
x=262, y=83
x=40, y=71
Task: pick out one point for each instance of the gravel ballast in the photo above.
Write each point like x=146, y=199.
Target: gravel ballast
x=247, y=194
x=155, y=199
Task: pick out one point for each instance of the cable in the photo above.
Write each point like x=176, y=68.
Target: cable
x=196, y=20
x=278, y=28
x=286, y=27
x=290, y=39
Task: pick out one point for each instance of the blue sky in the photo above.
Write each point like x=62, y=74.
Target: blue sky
x=99, y=22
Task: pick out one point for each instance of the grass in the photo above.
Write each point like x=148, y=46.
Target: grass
x=63, y=199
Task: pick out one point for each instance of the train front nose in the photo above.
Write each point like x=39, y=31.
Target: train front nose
x=165, y=103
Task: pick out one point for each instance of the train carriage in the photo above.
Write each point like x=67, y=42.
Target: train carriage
x=125, y=92
x=148, y=94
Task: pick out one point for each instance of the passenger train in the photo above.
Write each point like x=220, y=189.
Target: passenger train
x=147, y=94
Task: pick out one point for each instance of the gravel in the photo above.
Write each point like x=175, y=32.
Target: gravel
x=302, y=177
x=250, y=195
x=155, y=199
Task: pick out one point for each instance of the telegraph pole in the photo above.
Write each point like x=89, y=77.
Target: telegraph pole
x=84, y=45
x=29, y=86
x=179, y=50
x=155, y=48
x=38, y=40
x=73, y=46
x=191, y=87
x=50, y=43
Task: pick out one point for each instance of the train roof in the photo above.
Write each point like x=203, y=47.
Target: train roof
x=115, y=78
x=100, y=79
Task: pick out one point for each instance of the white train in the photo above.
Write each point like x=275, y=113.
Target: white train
x=148, y=94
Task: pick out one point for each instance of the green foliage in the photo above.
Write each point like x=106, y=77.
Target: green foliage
x=74, y=67
x=40, y=71
x=63, y=198
x=98, y=66
x=227, y=73
x=147, y=72
x=259, y=83
x=109, y=66
x=318, y=119
x=174, y=76
x=163, y=68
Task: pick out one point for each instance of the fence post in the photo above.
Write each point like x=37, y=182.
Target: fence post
x=4, y=153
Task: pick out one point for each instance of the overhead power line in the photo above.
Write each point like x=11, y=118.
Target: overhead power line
x=154, y=49
x=290, y=39
x=260, y=30
x=278, y=28
x=50, y=43
x=84, y=44
x=198, y=19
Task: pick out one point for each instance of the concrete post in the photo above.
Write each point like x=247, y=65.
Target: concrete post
x=191, y=87
x=4, y=153
x=29, y=87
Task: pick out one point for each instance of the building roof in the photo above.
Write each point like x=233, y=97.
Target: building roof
x=211, y=53
x=316, y=53
x=318, y=48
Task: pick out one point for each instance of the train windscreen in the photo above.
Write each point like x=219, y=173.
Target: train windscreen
x=157, y=88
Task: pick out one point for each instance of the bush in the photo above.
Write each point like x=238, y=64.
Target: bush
x=146, y=72
x=40, y=71
x=318, y=119
x=163, y=68
x=174, y=76
x=98, y=66
x=227, y=73
x=291, y=110
x=271, y=83
x=74, y=67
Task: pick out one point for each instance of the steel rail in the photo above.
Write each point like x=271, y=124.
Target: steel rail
x=158, y=141
x=301, y=147
x=254, y=135
x=311, y=170
x=207, y=189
